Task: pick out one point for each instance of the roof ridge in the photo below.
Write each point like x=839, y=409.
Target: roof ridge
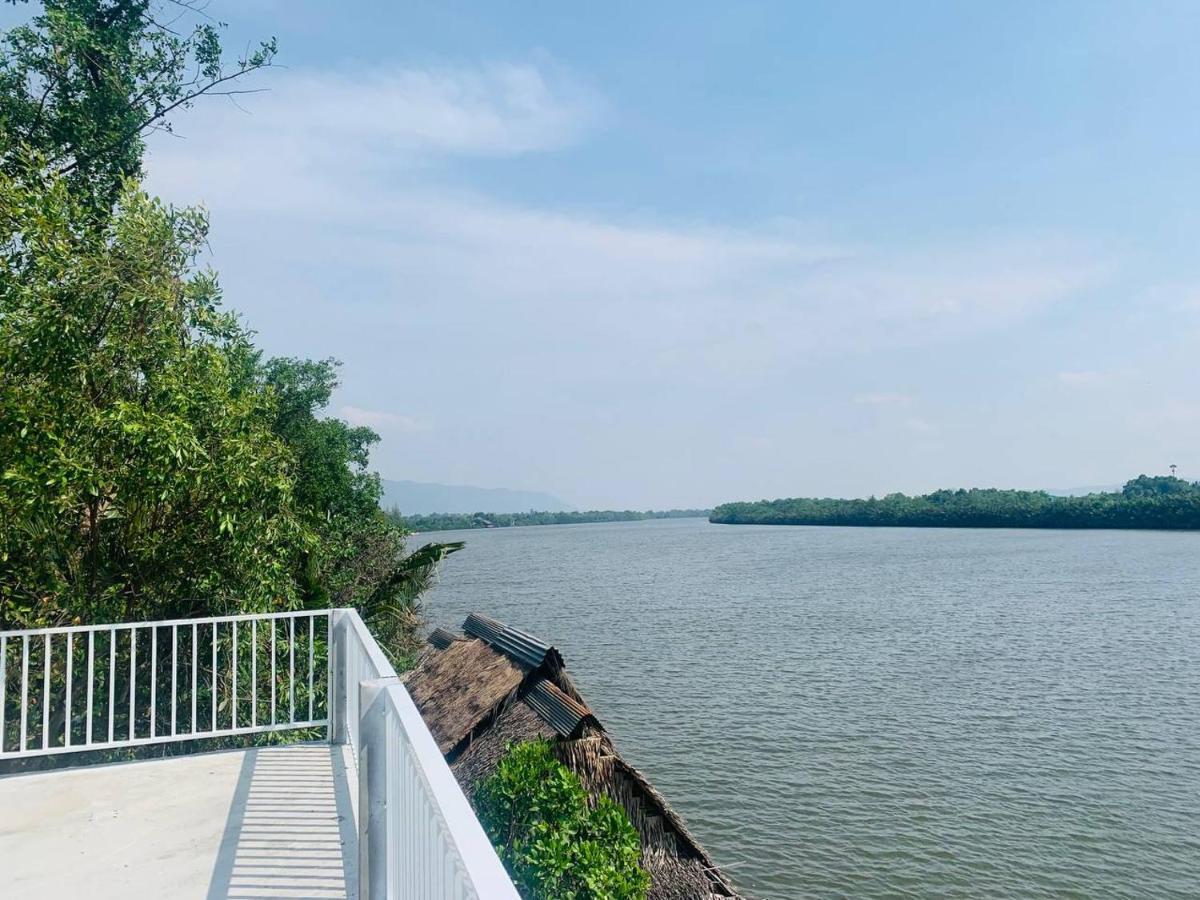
x=525, y=648
x=443, y=637
x=560, y=710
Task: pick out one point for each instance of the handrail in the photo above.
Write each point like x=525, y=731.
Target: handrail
x=414, y=755
x=357, y=657
x=104, y=687
x=379, y=665
x=120, y=626
x=418, y=836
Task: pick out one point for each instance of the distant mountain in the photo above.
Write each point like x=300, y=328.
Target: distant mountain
x=422, y=498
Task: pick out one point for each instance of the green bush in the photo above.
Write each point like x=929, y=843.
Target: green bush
x=554, y=843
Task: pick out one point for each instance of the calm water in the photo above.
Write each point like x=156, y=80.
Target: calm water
x=884, y=712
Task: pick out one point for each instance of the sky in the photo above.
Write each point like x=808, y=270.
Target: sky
x=674, y=254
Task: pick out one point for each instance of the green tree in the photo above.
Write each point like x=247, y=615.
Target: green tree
x=332, y=457
x=140, y=476
x=84, y=80
x=1159, y=486
x=1144, y=502
x=358, y=558
x=452, y=521
x=554, y=843
x=150, y=463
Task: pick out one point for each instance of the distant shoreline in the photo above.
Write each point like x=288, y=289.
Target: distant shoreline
x=463, y=522
x=1146, y=503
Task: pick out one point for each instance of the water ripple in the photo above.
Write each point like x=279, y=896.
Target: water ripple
x=886, y=712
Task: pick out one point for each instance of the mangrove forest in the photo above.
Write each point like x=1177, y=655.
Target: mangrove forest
x=457, y=521
x=1160, y=502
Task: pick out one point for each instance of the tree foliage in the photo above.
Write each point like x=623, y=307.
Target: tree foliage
x=138, y=469
x=554, y=843
x=1145, y=502
x=452, y=521
x=1160, y=486
x=358, y=557
x=151, y=463
x=84, y=80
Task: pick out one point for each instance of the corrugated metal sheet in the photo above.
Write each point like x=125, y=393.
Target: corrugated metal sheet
x=564, y=714
x=513, y=642
x=442, y=637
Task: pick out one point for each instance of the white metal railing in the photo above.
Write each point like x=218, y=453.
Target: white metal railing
x=357, y=657
x=104, y=687
x=418, y=836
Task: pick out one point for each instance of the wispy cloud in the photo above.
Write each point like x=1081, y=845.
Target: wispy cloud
x=383, y=421
x=355, y=131
x=336, y=163
x=500, y=109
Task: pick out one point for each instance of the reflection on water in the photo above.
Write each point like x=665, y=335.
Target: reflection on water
x=884, y=712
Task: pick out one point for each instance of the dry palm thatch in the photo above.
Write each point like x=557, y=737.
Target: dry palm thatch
x=498, y=685
x=457, y=689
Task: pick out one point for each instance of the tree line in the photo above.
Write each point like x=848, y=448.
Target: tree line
x=1159, y=502
x=460, y=521
x=153, y=463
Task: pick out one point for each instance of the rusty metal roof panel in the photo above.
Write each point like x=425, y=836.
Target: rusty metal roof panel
x=513, y=642
x=563, y=713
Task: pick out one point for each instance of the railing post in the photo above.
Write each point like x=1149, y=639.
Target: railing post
x=373, y=837
x=335, y=683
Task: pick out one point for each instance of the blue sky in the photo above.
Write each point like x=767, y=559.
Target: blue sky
x=674, y=254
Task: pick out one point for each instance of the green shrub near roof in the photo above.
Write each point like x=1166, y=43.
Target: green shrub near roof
x=556, y=844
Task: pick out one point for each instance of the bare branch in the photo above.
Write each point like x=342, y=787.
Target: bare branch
x=159, y=114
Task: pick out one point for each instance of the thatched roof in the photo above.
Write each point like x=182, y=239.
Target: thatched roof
x=493, y=685
x=456, y=689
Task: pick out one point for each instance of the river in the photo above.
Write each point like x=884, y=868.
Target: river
x=883, y=712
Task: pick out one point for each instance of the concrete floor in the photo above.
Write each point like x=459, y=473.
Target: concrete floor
x=264, y=824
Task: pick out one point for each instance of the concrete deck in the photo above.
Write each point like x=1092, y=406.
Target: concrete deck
x=269, y=824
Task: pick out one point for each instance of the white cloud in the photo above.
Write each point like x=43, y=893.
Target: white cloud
x=318, y=141
x=352, y=173
x=383, y=421
x=496, y=110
